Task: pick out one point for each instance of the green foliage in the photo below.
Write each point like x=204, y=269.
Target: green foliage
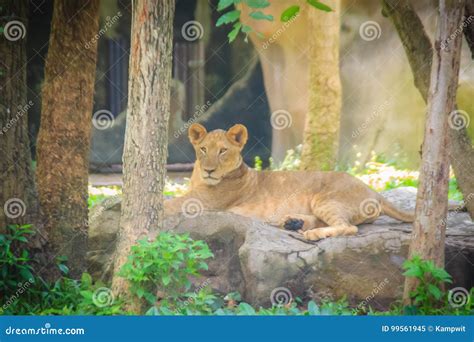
x=291, y=162
x=429, y=296
x=319, y=5
x=290, y=13
x=233, y=16
x=258, y=163
x=165, y=264
x=15, y=259
x=22, y=293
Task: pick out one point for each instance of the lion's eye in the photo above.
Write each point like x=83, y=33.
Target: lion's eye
x=222, y=151
x=203, y=150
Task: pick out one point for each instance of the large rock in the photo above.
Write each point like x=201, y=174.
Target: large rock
x=254, y=258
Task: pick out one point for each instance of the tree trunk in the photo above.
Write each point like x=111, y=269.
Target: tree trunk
x=429, y=227
x=469, y=25
x=146, y=135
x=321, y=132
x=64, y=135
x=18, y=197
x=419, y=51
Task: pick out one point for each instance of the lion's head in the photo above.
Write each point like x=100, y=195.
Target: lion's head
x=217, y=152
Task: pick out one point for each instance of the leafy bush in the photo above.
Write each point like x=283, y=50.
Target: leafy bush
x=15, y=260
x=164, y=265
x=429, y=297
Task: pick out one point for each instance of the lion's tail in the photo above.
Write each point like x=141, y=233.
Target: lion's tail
x=409, y=216
x=399, y=214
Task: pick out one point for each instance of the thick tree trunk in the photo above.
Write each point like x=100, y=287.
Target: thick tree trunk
x=18, y=197
x=419, y=52
x=146, y=135
x=64, y=135
x=429, y=227
x=321, y=132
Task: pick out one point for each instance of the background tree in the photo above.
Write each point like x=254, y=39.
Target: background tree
x=146, y=135
x=64, y=135
x=429, y=227
x=18, y=196
x=419, y=51
x=321, y=132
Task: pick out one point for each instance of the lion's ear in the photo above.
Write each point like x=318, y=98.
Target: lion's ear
x=238, y=135
x=196, y=133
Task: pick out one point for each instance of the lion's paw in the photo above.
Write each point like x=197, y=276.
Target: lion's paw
x=293, y=224
x=315, y=234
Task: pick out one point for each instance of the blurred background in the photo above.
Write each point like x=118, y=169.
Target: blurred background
x=219, y=83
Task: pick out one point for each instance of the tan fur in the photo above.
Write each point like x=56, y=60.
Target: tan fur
x=328, y=203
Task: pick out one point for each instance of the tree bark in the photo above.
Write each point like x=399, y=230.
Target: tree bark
x=146, y=134
x=419, y=51
x=469, y=25
x=429, y=227
x=18, y=196
x=321, y=132
x=64, y=135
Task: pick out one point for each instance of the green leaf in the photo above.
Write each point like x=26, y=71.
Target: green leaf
x=258, y=3
x=313, y=308
x=259, y=15
x=228, y=17
x=246, y=309
x=319, y=5
x=245, y=29
x=435, y=291
x=223, y=4
x=290, y=13
x=235, y=31
x=166, y=279
x=63, y=268
x=414, y=271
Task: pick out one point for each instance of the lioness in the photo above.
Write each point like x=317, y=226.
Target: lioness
x=320, y=204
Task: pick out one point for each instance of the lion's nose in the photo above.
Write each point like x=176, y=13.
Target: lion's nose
x=209, y=171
